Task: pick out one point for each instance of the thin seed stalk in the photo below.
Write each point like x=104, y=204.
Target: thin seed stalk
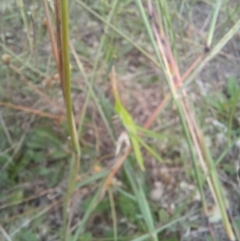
x=66, y=77
x=67, y=74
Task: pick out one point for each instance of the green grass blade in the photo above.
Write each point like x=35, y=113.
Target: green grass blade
x=162, y=228
x=114, y=215
x=148, y=148
x=92, y=205
x=152, y=134
x=91, y=179
x=149, y=30
x=141, y=199
x=164, y=13
x=213, y=23
x=126, y=194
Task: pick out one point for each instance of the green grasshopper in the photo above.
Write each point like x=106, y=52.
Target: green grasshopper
x=127, y=120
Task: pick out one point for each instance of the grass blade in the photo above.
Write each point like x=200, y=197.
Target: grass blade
x=141, y=200
x=213, y=23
